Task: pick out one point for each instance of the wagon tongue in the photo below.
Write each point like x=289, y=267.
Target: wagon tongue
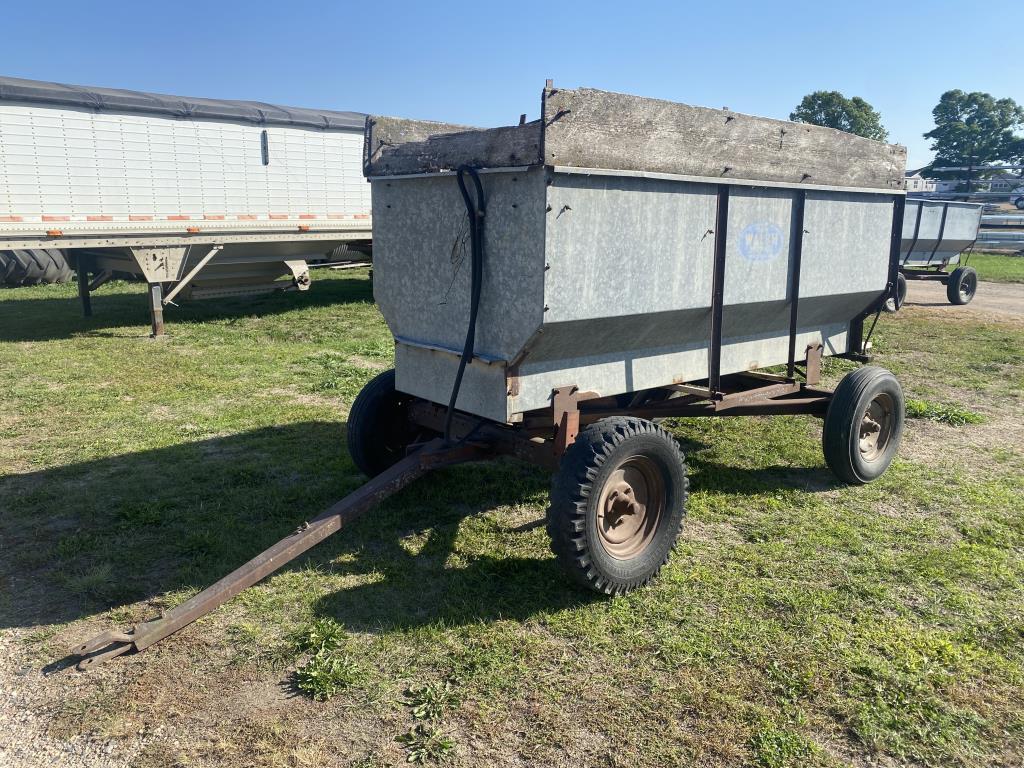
x=110, y=644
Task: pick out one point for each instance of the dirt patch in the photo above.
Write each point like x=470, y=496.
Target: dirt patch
x=26, y=706
x=189, y=707
x=994, y=302
x=366, y=362
x=305, y=398
x=937, y=445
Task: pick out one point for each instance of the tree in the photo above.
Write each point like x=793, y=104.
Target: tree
x=833, y=110
x=975, y=129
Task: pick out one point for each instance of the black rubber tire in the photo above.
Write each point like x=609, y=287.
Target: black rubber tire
x=962, y=285
x=894, y=305
x=841, y=434
x=1019, y=203
x=33, y=267
x=576, y=490
x=379, y=432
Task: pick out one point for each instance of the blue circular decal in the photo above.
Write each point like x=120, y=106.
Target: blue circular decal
x=761, y=241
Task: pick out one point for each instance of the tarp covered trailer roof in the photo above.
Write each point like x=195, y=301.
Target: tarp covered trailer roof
x=15, y=89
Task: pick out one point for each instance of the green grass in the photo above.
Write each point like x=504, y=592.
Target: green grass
x=953, y=414
x=998, y=267
x=327, y=673
x=800, y=623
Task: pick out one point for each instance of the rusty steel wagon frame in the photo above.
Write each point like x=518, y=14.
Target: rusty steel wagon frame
x=542, y=436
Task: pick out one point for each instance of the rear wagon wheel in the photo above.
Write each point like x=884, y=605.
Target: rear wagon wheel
x=962, y=285
x=618, y=501
x=894, y=304
x=863, y=425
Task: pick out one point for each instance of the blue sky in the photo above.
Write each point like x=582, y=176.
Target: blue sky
x=483, y=64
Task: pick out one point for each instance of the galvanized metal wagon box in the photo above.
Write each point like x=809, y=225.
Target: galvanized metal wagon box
x=935, y=234
x=625, y=237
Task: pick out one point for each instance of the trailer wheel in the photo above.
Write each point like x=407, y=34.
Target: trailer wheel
x=962, y=285
x=893, y=305
x=379, y=431
x=618, y=501
x=33, y=267
x=863, y=425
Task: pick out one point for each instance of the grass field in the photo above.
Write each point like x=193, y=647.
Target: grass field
x=800, y=623
x=998, y=267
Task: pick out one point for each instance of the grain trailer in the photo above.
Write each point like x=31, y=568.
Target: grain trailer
x=197, y=197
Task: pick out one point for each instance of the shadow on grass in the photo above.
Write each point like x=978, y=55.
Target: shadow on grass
x=929, y=304
x=60, y=317
x=85, y=538
x=82, y=539
x=717, y=478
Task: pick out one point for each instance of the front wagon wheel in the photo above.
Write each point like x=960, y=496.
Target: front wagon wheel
x=379, y=432
x=863, y=425
x=618, y=501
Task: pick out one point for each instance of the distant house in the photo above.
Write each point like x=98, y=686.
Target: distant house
x=915, y=182
x=1003, y=184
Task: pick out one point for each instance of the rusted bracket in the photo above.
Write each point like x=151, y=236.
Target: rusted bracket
x=813, y=364
x=110, y=644
x=566, y=412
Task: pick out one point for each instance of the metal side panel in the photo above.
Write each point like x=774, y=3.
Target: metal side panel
x=430, y=373
x=76, y=163
x=626, y=246
x=421, y=255
x=935, y=232
x=614, y=373
x=630, y=307
x=845, y=251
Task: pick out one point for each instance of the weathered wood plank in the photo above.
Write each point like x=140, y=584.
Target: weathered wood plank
x=393, y=146
x=588, y=128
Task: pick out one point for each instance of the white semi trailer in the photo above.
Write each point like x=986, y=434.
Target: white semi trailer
x=198, y=197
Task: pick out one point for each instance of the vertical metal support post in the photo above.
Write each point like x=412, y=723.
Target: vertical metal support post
x=82, y=272
x=794, y=284
x=942, y=232
x=917, y=230
x=856, y=335
x=718, y=290
x=156, y=308
x=899, y=207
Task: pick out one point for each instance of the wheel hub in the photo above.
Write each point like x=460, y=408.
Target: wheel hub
x=967, y=286
x=631, y=505
x=876, y=427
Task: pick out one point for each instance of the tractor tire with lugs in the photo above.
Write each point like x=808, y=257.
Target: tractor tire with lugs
x=618, y=501
x=33, y=267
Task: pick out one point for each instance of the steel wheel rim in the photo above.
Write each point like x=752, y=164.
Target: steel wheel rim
x=967, y=286
x=631, y=507
x=876, y=426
